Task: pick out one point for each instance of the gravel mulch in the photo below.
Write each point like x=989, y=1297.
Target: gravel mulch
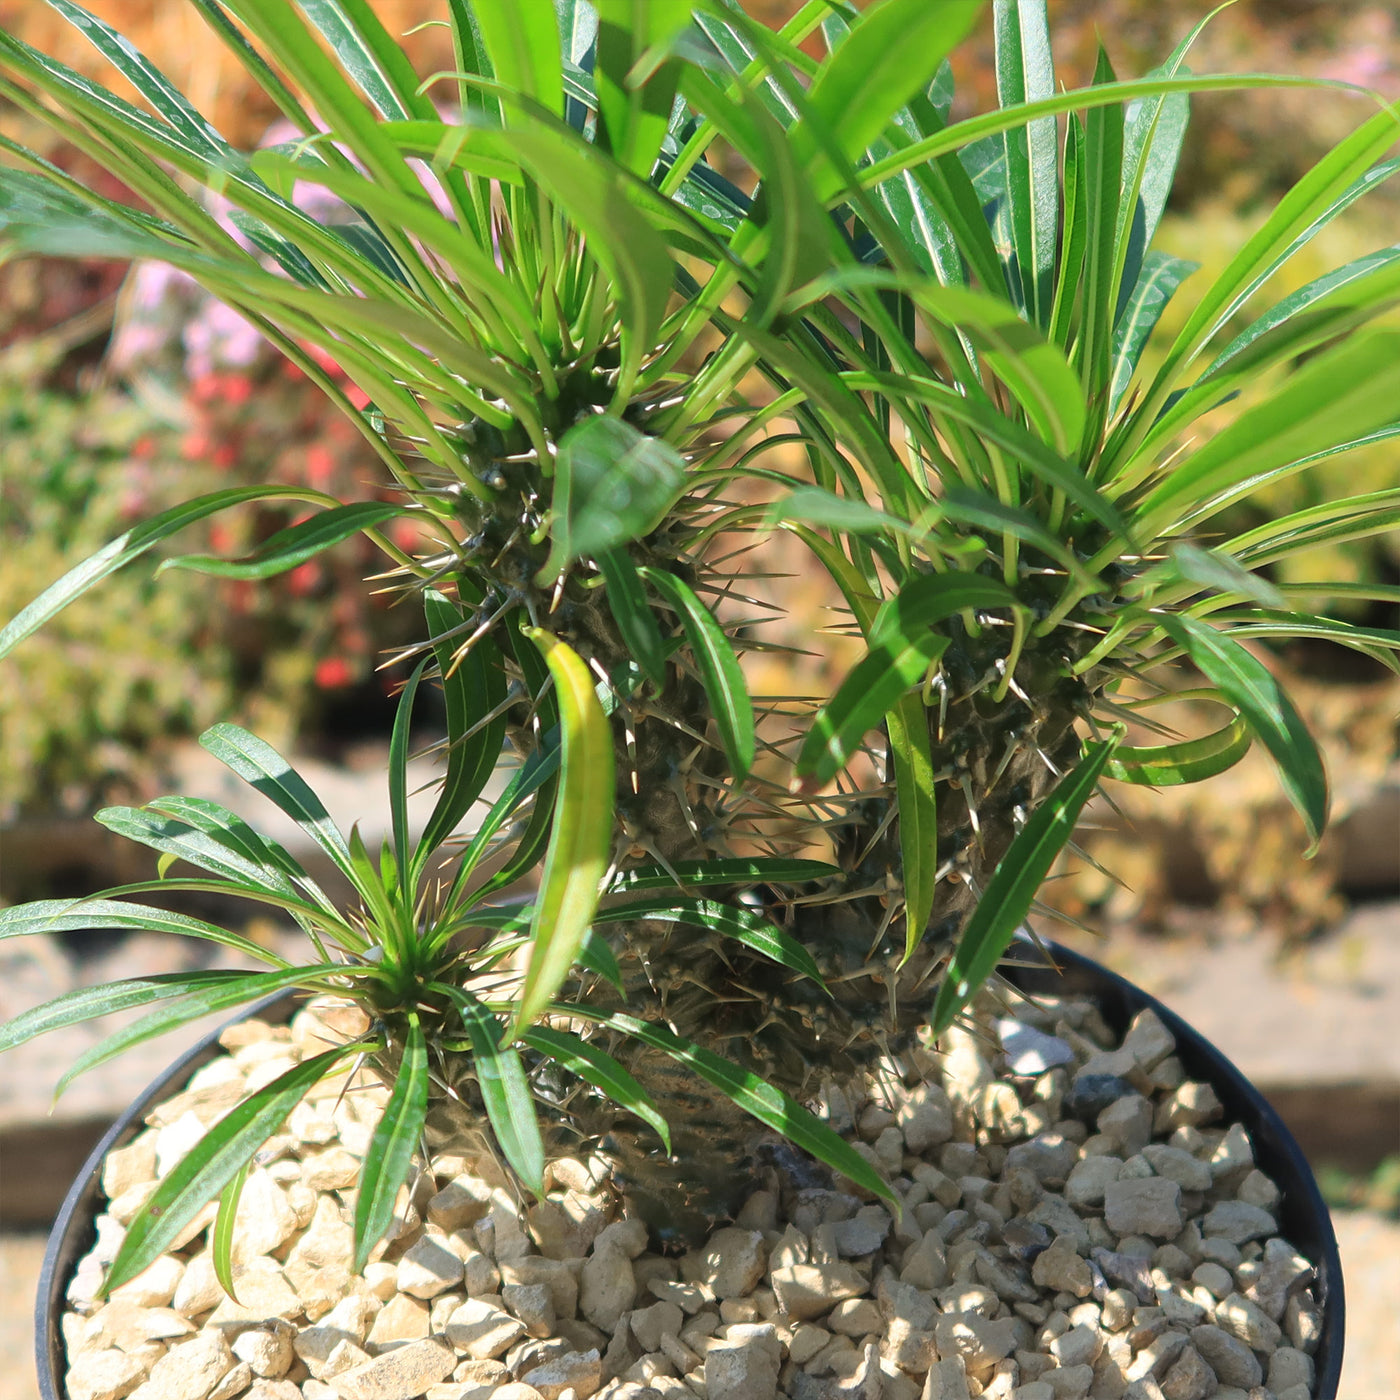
x=1083, y=1228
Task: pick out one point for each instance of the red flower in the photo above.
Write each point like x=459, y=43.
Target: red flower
x=333, y=672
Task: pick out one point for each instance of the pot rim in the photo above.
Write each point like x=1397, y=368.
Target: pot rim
x=1303, y=1217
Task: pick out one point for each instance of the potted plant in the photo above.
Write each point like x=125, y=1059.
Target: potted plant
x=579, y=339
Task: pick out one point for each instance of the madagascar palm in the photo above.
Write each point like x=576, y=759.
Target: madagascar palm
x=950, y=318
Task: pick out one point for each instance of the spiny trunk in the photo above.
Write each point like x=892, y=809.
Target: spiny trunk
x=996, y=759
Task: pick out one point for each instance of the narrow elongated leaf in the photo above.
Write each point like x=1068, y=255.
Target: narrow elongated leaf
x=1214, y=569
x=891, y=53
x=1161, y=275
x=1347, y=391
x=67, y=915
x=86, y=1003
x=472, y=687
x=598, y=1068
x=634, y=107
x=398, y=775
x=132, y=544
x=599, y=199
x=901, y=646
x=148, y=80
x=1351, y=518
x=391, y=1149
x=523, y=44
x=1025, y=73
x=292, y=546
x=719, y=670
x=1190, y=761
x=206, y=1001
x=613, y=484
x=221, y=1240
x=1347, y=285
x=879, y=679
x=212, y=1162
x=1007, y=899
x=380, y=68
x=911, y=751
x=338, y=103
x=277, y=866
x=263, y=768
x=731, y=920
x=184, y=842
x=633, y=614
x=1103, y=168
x=768, y=870
x=538, y=769
x=771, y=1106
x=580, y=843
x=1248, y=685
x=505, y=1090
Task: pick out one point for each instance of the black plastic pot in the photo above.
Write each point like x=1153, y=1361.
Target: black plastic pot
x=1303, y=1216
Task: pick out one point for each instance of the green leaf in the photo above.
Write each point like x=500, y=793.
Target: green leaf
x=1349, y=390
x=206, y=1001
x=263, y=768
x=65, y=915
x=634, y=106
x=580, y=844
x=598, y=1068
x=1214, y=569
x=598, y=196
x=743, y=870
x=472, y=687
x=1033, y=369
x=1006, y=901
x=398, y=775
x=292, y=546
x=1025, y=73
x=184, y=842
x=1103, y=166
x=1351, y=518
x=211, y=1163
x=1161, y=275
x=379, y=67
x=1355, y=284
x=390, y=1152
x=221, y=1241
x=1279, y=624
x=891, y=53
x=132, y=544
x=1190, y=761
x=901, y=646
x=915, y=792
x=771, y=1106
x=86, y=1003
x=730, y=920
x=336, y=101
x=276, y=865
x=505, y=1090
x=632, y=613
x=523, y=44
x=719, y=670
x=146, y=78
x=538, y=769
x=1248, y=685
x=612, y=485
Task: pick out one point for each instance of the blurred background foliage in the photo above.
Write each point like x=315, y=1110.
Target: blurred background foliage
x=120, y=394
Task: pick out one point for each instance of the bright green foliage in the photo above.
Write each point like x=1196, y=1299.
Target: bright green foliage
x=1015, y=491
x=429, y=959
